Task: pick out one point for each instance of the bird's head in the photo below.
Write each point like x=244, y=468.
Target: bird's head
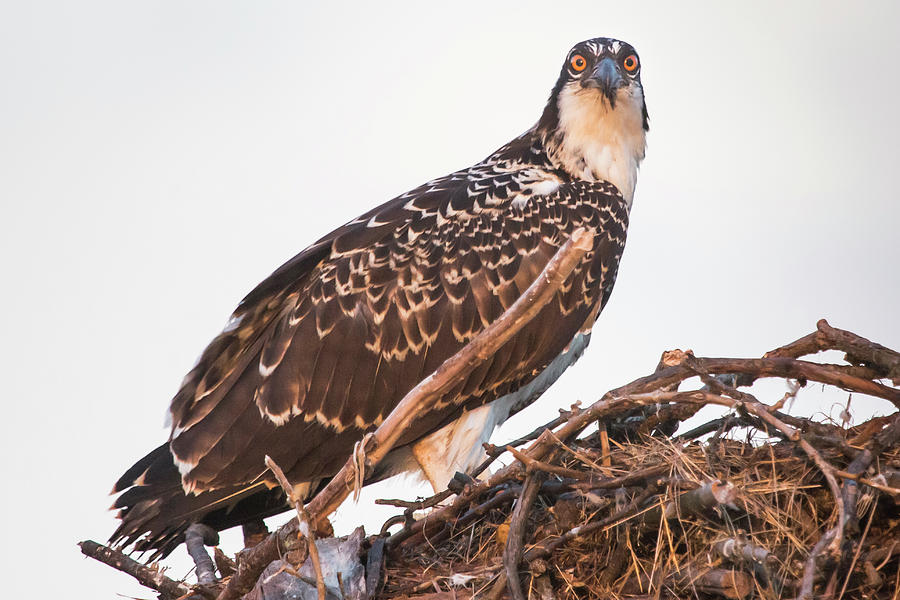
x=595, y=123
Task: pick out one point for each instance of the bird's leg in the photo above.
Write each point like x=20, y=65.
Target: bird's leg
x=254, y=532
x=196, y=538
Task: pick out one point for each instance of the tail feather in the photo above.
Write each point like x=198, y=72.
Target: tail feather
x=155, y=511
x=160, y=456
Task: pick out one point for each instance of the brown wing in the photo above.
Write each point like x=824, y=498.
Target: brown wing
x=324, y=349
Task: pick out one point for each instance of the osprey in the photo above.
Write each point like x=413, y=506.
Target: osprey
x=325, y=347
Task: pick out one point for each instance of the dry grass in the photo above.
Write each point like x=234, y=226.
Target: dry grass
x=777, y=510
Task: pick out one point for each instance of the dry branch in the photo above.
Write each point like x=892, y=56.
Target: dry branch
x=305, y=525
x=512, y=553
x=861, y=351
x=148, y=576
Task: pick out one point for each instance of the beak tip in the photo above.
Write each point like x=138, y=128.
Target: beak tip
x=607, y=79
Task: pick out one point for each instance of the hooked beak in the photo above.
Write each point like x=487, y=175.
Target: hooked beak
x=607, y=79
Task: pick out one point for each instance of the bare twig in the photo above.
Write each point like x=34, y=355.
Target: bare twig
x=496, y=591
x=545, y=549
x=808, y=344
x=502, y=497
x=636, y=477
x=150, y=577
x=811, y=568
x=887, y=438
x=512, y=553
x=720, y=426
x=860, y=350
x=306, y=529
x=535, y=465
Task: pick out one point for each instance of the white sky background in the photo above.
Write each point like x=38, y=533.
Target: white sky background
x=157, y=160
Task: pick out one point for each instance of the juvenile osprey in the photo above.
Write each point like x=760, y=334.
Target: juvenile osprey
x=322, y=350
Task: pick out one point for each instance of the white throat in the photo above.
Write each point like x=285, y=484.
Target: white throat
x=598, y=142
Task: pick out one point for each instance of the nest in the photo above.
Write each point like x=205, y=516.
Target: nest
x=755, y=504
x=666, y=518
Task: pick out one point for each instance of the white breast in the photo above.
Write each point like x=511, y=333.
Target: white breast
x=600, y=143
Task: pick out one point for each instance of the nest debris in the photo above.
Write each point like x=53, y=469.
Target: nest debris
x=725, y=517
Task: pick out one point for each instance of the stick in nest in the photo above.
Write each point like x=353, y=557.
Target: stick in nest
x=150, y=577
x=512, y=553
x=306, y=529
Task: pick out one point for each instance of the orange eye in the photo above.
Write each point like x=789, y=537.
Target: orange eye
x=578, y=63
x=630, y=63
